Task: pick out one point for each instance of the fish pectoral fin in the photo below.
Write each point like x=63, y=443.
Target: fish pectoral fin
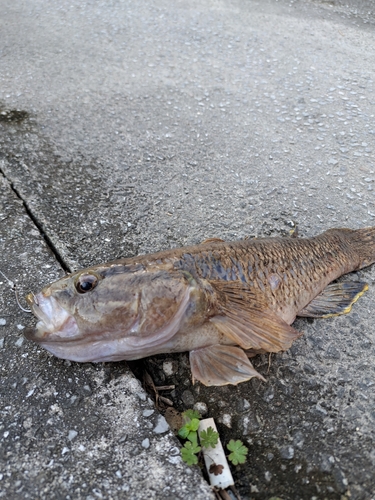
x=221, y=365
x=335, y=299
x=258, y=330
x=243, y=316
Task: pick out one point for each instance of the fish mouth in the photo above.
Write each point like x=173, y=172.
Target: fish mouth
x=55, y=323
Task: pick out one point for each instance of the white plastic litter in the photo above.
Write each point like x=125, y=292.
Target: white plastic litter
x=215, y=456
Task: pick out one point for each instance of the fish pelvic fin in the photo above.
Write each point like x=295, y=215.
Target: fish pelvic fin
x=334, y=300
x=221, y=365
x=245, y=319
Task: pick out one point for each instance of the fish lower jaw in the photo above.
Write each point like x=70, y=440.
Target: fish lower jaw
x=51, y=333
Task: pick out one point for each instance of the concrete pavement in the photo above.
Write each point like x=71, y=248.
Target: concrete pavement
x=132, y=127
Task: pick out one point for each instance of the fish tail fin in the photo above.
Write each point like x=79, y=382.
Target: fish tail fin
x=363, y=243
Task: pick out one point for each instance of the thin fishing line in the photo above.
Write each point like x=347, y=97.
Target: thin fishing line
x=13, y=287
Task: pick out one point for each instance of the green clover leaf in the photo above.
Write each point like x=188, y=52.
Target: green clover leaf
x=188, y=453
x=239, y=452
x=191, y=426
x=183, y=432
x=190, y=414
x=209, y=438
x=193, y=437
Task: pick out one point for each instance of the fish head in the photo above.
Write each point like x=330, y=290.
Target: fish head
x=114, y=312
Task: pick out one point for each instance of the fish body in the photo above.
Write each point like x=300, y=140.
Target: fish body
x=221, y=301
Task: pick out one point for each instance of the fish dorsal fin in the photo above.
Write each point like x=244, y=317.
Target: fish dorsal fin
x=212, y=240
x=335, y=299
x=221, y=365
x=243, y=317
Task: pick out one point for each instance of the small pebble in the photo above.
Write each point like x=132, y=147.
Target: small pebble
x=3, y=322
x=30, y=393
x=170, y=367
x=118, y=474
x=161, y=426
x=142, y=396
x=146, y=443
x=148, y=413
x=287, y=452
x=20, y=327
x=188, y=399
x=19, y=342
x=174, y=460
x=201, y=408
x=227, y=420
x=246, y=404
x=72, y=435
x=1, y=343
x=174, y=451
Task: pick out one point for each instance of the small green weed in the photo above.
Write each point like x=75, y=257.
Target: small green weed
x=189, y=453
x=239, y=452
x=208, y=438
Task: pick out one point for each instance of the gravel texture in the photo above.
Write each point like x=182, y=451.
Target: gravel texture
x=131, y=127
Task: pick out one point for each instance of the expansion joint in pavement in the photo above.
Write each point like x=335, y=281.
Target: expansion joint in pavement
x=38, y=225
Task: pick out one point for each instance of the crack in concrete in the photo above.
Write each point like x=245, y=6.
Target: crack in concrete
x=65, y=266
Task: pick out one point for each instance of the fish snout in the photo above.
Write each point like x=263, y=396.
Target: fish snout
x=55, y=323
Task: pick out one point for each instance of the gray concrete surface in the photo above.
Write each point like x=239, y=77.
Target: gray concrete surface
x=131, y=127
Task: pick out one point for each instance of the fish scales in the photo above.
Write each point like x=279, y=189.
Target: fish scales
x=324, y=259
x=221, y=301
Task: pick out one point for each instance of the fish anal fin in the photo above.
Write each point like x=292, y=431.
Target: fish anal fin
x=244, y=317
x=212, y=240
x=334, y=300
x=221, y=365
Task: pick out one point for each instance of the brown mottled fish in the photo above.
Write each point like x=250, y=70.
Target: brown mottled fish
x=221, y=301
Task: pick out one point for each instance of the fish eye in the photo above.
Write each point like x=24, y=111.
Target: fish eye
x=85, y=283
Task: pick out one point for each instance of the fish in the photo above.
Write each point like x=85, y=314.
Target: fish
x=224, y=302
